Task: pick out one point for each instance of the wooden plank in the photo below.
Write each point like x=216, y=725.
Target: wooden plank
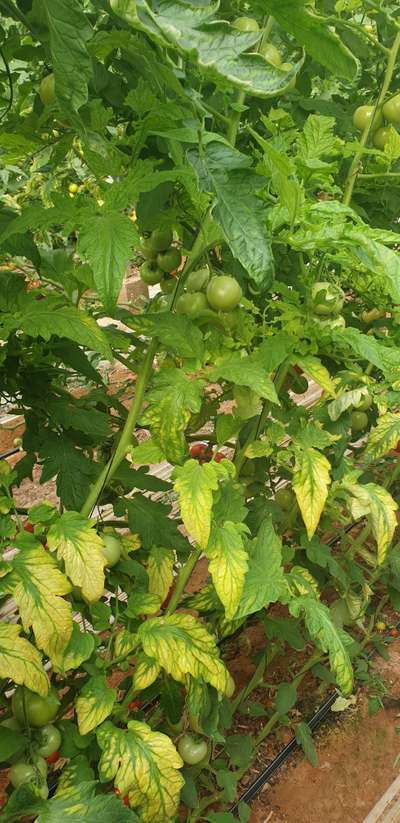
x=387, y=809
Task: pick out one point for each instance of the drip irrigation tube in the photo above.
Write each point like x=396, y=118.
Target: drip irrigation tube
x=9, y=453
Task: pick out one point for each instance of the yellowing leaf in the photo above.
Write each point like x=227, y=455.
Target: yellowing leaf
x=265, y=580
x=144, y=764
x=80, y=547
x=181, y=645
x=374, y=501
x=172, y=401
x=228, y=563
x=20, y=661
x=124, y=642
x=311, y=478
x=327, y=637
x=313, y=367
x=160, y=566
x=80, y=647
x=384, y=436
x=95, y=703
x=146, y=672
x=195, y=485
x=303, y=581
x=37, y=590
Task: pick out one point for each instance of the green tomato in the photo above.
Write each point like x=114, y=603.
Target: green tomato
x=391, y=110
x=285, y=499
x=168, y=285
x=169, y=260
x=160, y=239
x=381, y=137
x=150, y=273
x=47, y=91
x=358, y=421
x=223, y=293
x=22, y=773
x=364, y=404
x=5, y=468
x=271, y=54
x=327, y=298
x=112, y=549
x=362, y=117
x=192, y=304
x=191, y=750
x=39, y=710
x=198, y=280
x=147, y=250
x=49, y=740
x=246, y=24
x=299, y=385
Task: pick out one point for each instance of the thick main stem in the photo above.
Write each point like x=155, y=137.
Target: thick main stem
x=183, y=578
x=355, y=166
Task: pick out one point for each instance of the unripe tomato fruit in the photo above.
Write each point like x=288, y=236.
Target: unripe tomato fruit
x=150, y=273
x=73, y=188
x=160, y=240
x=223, y=293
x=246, y=24
x=364, y=404
x=168, y=285
x=358, y=421
x=49, y=740
x=271, y=54
x=285, y=499
x=326, y=298
x=192, y=751
x=111, y=549
x=198, y=280
x=381, y=137
x=39, y=710
x=363, y=116
x=47, y=91
x=22, y=773
x=147, y=250
x=169, y=260
x=192, y=304
x=391, y=110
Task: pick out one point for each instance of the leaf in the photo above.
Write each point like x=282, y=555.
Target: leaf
x=318, y=137
x=105, y=241
x=240, y=749
x=375, y=502
x=247, y=370
x=283, y=175
x=313, y=367
x=327, y=637
x=377, y=258
x=172, y=400
x=195, y=485
x=181, y=645
x=160, y=566
x=366, y=347
x=305, y=740
x=346, y=401
x=146, y=672
x=74, y=471
x=265, y=581
x=94, y=704
x=384, y=436
x=92, y=422
x=146, y=453
x=286, y=697
x=80, y=647
x=225, y=173
x=144, y=764
x=47, y=318
x=69, y=31
x=312, y=32
x=79, y=804
x=37, y=587
x=140, y=603
x=176, y=332
x=150, y=520
x=76, y=542
x=227, y=564
x=20, y=661
x=11, y=743
x=311, y=478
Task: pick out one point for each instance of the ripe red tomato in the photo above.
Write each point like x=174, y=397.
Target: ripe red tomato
x=28, y=528
x=165, y=602
x=134, y=705
x=198, y=449
x=126, y=800
x=52, y=758
x=394, y=633
x=219, y=456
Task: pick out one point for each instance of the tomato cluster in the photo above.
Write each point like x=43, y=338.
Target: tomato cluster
x=161, y=258
x=327, y=301
x=203, y=294
x=202, y=453
x=364, y=115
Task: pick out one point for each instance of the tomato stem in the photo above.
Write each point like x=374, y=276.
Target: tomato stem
x=183, y=578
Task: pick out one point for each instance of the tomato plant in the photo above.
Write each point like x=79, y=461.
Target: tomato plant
x=239, y=164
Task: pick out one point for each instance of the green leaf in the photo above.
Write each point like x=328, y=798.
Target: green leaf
x=286, y=698
x=74, y=471
x=240, y=748
x=146, y=453
x=384, y=436
x=176, y=332
x=327, y=637
x=195, y=485
x=69, y=32
x=305, y=740
x=48, y=318
x=346, y=401
x=376, y=503
x=181, y=645
x=172, y=400
x=79, y=804
x=20, y=661
x=106, y=241
x=318, y=138
x=11, y=743
x=78, y=545
x=160, y=566
x=311, y=478
x=144, y=764
x=228, y=563
x=225, y=173
x=378, y=259
x=283, y=175
x=94, y=704
x=140, y=603
x=312, y=32
x=246, y=370
x=80, y=647
x=365, y=346
x=150, y=519
x=265, y=581
x=92, y=422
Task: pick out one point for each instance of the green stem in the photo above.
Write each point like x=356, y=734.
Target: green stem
x=234, y=120
x=363, y=176
x=355, y=166
x=183, y=578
